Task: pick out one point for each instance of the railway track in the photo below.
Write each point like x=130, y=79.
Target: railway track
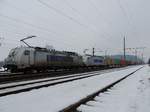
x=17, y=87
x=14, y=77
x=17, y=77
x=22, y=86
x=91, y=98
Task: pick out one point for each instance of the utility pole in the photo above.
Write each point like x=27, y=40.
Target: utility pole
x=93, y=51
x=124, y=47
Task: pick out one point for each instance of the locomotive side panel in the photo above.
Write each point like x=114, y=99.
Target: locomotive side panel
x=59, y=60
x=40, y=59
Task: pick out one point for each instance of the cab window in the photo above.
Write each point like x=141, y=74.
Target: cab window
x=26, y=52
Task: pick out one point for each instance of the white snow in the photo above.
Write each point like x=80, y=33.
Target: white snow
x=55, y=98
x=131, y=95
x=58, y=77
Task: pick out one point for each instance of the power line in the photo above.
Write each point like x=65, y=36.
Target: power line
x=26, y=23
x=124, y=12
x=98, y=11
x=73, y=9
x=66, y=16
x=35, y=26
x=29, y=24
x=3, y=29
x=86, y=18
x=99, y=14
x=32, y=25
x=45, y=38
x=20, y=10
x=61, y=13
x=122, y=8
x=28, y=13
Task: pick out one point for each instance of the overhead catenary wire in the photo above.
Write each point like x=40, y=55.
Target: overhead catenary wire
x=100, y=14
x=28, y=13
x=62, y=13
x=75, y=10
x=34, y=26
x=26, y=23
x=81, y=15
x=128, y=18
x=23, y=11
x=124, y=12
x=128, y=15
x=9, y=41
x=41, y=28
x=67, y=16
x=21, y=35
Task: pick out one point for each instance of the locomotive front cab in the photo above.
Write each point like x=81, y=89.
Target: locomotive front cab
x=10, y=61
x=19, y=59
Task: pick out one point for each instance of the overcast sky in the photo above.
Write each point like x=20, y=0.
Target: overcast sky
x=76, y=25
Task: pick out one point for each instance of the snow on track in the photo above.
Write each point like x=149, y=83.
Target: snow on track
x=57, y=77
x=55, y=98
x=17, y=87
x=130, y=95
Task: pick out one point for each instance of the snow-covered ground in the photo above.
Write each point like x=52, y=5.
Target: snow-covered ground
x=131, y=95
x=55, y=98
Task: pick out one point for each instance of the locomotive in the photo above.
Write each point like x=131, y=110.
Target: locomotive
x=90, y=60
x=36, y=58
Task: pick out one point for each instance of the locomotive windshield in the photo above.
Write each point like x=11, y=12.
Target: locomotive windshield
x=26, y=52
x=12, y=53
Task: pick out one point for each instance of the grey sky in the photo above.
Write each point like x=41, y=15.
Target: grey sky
x=76, y=24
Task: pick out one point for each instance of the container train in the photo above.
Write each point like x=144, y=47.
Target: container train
x=41, y=59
